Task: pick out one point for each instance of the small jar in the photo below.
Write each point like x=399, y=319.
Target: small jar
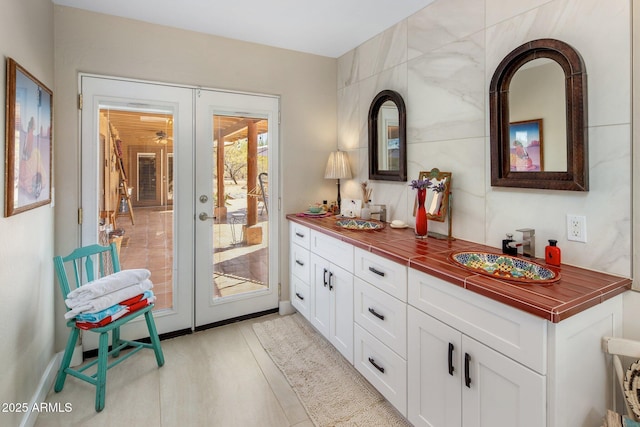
x=552, y=253
x=365, y=213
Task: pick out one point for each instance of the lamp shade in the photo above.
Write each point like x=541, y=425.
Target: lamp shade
x=338, y=166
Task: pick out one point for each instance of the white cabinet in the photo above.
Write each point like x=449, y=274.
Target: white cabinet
x=331, y=304
x=522, y=370
x=457, y=381
x=300, y=266
x=445, y=356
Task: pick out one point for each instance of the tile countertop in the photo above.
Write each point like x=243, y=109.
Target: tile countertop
x=577, y=289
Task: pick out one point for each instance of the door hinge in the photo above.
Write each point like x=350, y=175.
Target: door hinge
x=79, y=101
x=80, y=216
x=279, y=290
x=279, y=116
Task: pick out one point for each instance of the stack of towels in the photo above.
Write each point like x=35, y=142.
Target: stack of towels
x=104, y=300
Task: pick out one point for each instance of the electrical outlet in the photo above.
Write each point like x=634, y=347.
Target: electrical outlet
x=577, y=228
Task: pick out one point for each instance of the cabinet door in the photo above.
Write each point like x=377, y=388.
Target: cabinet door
x=434, y=372
x=341, y=324
x=321, y=295
x=501, y=392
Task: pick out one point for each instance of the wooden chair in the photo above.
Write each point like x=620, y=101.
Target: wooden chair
x=618, y=347
x=91, y=260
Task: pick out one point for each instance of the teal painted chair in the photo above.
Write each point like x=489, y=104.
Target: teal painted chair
x=92, y=262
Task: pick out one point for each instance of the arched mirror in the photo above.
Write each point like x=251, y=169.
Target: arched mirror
x=388, y=137
x=538, y=108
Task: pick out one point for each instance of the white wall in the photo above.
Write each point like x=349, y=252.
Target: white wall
x=95, y=43
x=441, y=60
x=26, y=239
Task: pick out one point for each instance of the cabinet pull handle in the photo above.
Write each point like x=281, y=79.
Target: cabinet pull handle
x=324, y=277
x=378, y=272
x=378, y=367
x=451, y=368
x=300, y=296
x=299, y=234
x=300, y=263
x=467, y=378
x=375, y=313
x=330, y=281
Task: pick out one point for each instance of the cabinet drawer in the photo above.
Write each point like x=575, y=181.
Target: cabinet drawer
x=512, y=332
x=381, y=367
x=300, y=263
x=300, y=295
x=382, y=273
x=333, y=250
x=299, y=234
x=382, y=315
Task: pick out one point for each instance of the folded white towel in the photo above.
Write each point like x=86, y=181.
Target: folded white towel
x=105, y=285
x=97, y=304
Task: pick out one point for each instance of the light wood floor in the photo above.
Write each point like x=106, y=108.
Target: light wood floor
x=219, y=377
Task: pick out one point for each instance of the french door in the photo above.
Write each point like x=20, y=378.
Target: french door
x=235, y=241
x=172, y=174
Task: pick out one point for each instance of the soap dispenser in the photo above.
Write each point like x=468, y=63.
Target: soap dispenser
x=552, y=253
x=506, y=249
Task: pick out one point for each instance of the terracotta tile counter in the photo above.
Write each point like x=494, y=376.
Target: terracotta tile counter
x=577, y=289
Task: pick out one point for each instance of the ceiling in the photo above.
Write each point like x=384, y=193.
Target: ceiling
x=327, y=28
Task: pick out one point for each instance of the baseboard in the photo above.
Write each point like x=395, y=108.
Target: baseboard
x=285, y=307
x=40, y=395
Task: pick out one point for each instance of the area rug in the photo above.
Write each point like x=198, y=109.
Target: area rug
x=332, y=391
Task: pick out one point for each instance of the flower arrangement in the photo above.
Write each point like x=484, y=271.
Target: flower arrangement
x=423, y=184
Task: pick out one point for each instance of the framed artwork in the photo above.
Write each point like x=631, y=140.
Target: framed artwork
x=29, y=137
x=526, y=146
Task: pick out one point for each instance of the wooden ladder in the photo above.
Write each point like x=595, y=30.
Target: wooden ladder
x=124, y=188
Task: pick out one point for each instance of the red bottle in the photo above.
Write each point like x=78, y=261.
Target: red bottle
x=552, y=253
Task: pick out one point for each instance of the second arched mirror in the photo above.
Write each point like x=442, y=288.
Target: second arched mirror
x=387, y=137
x=538, y=108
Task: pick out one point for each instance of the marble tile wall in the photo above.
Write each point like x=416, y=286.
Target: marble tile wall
x=441, y=61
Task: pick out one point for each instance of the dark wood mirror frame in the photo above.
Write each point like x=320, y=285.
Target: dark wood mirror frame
x=375, y=173
x=576, y=177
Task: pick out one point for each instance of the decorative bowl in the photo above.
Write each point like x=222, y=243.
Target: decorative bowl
x=315, y=209
x=504, y=267
x=359, y=224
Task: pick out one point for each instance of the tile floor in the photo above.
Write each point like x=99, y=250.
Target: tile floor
x=219, y=377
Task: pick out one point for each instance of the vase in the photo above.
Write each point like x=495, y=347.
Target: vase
x=421, y=215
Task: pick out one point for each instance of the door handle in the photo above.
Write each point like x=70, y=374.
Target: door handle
x=300, y=263
x=330, y=277
x=300, y=296
x=375, y=365
x=375, y=313
x=467, y=378
x=376, y=271
x=324, y=277
x=451, y=368
x=203, y=216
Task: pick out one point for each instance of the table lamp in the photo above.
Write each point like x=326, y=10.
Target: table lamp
x=338, y=167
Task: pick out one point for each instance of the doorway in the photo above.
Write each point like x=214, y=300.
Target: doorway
x=204, y=271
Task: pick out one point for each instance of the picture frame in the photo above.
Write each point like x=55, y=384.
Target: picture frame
x=29, y=141
x=526, y=146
